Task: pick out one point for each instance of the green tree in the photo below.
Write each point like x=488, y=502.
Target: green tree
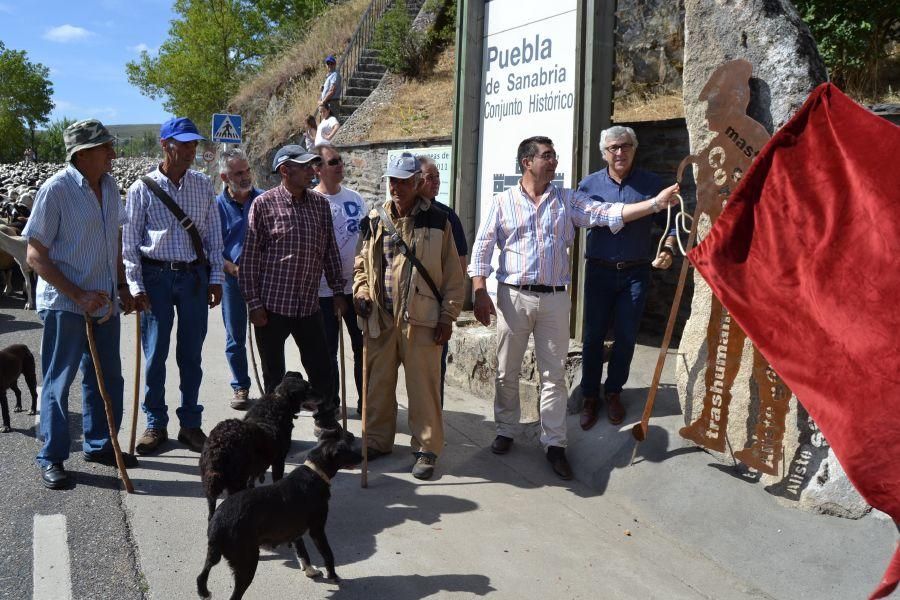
x=25, y=92
x=401, y=48
x=51, y=147
x=212, y=44
x=853, y=37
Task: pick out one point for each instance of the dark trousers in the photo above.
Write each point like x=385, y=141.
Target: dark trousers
x=309, y=335
x=332, y=331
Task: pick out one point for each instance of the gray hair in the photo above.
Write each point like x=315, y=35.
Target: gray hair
x=230, y=155
x=614, y=133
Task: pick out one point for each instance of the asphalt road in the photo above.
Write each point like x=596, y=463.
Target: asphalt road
x=100, y=549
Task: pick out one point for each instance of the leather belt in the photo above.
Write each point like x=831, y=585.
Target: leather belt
x=537, y=288
x=172, y=265
x=619, y=265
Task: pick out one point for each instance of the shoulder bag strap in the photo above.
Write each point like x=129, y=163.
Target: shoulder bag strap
x=405, y=251
x=180, y=216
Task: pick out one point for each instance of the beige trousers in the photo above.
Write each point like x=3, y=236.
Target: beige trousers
x=519, y=315
x=414, y=348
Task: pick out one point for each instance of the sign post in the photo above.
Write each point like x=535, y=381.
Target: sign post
x=226, y=128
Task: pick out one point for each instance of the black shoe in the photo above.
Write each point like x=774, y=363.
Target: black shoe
x=108, y=458
x=557, y=457
x=501, y=444
x=54, y=476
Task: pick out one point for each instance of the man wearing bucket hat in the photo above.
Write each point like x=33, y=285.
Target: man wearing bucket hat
x=73, y=246
x=172, y=248
x=290, y=243
x=408, y=284
x=331, y=89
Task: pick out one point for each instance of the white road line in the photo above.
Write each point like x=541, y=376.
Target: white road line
x=52, y=577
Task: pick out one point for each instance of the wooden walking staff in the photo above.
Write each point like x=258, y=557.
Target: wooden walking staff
x=107, y=403
x=364, y=482
x=343, y=371
x=137, y=380
x=639, y=431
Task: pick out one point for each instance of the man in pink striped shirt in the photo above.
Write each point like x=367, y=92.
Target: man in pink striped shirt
x=533, y=224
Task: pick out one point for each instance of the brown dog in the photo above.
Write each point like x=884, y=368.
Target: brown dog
x=14, y=361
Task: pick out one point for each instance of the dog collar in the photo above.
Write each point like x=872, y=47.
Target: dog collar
x=315, y=469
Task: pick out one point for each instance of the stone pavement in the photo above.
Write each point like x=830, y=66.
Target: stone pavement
x=675, y=525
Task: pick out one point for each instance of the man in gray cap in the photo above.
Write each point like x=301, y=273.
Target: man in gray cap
x=331, y=89
x=289, y=244
x=172, y=247
x=408, y=284
x=73, y=246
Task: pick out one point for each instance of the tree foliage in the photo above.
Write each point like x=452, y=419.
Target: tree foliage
x=25, y=103
x=211, y=46
x=51, y=147
x=853, y=37
x=400, y=47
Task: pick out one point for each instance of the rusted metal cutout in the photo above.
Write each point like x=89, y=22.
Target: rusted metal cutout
x=720, y=166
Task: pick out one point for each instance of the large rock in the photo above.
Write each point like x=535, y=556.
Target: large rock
x=785, y=68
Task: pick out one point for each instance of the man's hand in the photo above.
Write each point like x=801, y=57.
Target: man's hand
x=214, y=294
x=363, y=306
x=668, y=197
x=664, y=260
x=259, y=317
x=231, y=268
x=442, y=333
x=91, y=302
x=141, y=302
x=340, y=306
x=126, y=301
x=484, y=307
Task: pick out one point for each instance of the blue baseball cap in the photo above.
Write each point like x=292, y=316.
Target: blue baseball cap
x=330, y=59
x=403, y=167
x=295, y=154
x=180, y=129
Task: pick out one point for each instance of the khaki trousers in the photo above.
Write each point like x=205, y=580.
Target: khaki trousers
x=414, y=348
x=519, y=314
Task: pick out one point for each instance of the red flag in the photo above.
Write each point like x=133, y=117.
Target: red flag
x=806, y=257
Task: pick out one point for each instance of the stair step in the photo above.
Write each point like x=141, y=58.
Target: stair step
x=369, y=53
x=358, y=81
x=370, y=61
x=366, y=76
x=359, y=91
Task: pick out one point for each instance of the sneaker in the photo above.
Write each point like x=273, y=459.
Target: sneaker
x=192, y=437
x=424, y=467
x=150, y=440
x=241, y=399
x=108, y=458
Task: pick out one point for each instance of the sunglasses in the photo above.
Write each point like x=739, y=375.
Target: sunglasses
x=335, y=162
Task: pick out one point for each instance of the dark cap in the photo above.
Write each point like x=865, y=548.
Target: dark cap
x=295, y=154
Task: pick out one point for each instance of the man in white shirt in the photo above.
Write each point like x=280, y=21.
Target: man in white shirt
x=347, y=208
x=533, y=224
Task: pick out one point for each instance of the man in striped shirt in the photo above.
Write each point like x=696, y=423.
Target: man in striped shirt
x=73, y=246
x=533, y=224
x=166, y=275
x=290, y=242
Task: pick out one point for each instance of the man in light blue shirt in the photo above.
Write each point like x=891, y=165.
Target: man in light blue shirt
x=331, y=89
x=234, y=210
x=73, y=246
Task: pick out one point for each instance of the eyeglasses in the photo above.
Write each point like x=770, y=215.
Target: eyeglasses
x=616, y=148
x=548, y=156
x=333, y=162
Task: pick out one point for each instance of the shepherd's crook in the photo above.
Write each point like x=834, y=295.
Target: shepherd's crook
x=364, y=482
x=640, y=429
x=107, y=403
x=137, y=380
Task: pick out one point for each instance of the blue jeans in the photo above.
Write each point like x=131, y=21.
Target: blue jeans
x=617, y=298
x=234, y=313
x=170, y=291
x=64, y=349
x=326, y=305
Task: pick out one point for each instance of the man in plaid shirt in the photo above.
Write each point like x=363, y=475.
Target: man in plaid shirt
x=290, y=242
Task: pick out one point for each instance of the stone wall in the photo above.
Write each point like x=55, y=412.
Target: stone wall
x=649, y=47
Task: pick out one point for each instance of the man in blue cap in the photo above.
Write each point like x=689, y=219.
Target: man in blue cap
x=172, y=249
x=331, y=89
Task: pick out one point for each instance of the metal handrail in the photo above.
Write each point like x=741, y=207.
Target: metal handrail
x=360, y=41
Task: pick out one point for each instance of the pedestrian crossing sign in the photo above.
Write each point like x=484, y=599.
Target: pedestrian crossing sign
x=226, y=128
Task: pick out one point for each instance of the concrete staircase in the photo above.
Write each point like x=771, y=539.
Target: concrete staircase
x=368, y=71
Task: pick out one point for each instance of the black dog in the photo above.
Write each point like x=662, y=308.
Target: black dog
x=237, y=452
x=277, y=514
x=14, y=361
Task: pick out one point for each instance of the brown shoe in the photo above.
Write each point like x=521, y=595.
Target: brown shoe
x=240, y=400
x=614, y=409
x=150, y=440
x=192, y=437
x=589, y=412
x=557, y=457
